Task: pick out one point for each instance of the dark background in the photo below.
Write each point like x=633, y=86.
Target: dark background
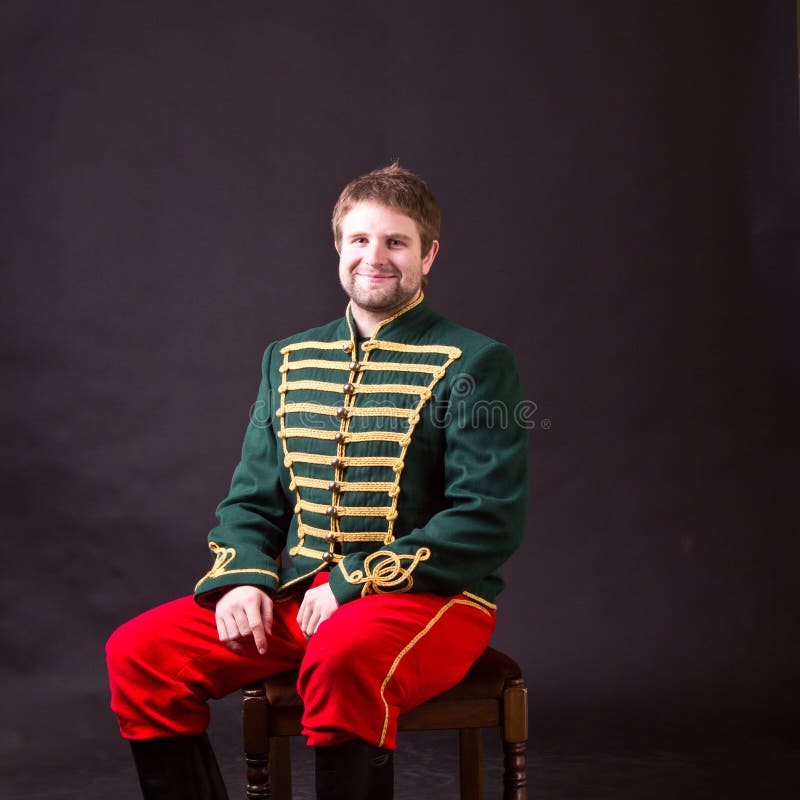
x=620, y=189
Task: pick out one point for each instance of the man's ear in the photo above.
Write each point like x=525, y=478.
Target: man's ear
x=427, y=259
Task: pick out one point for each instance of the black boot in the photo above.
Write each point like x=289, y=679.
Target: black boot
x=178, y=768
x=354, y=770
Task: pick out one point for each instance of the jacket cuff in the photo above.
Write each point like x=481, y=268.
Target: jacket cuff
x=223, y=575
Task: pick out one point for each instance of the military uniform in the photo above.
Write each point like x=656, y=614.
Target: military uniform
x=395, y=468
x=397, y=463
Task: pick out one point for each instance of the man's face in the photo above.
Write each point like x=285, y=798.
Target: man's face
x=380, y=258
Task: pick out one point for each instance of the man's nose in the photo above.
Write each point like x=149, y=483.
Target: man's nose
x=375, y=253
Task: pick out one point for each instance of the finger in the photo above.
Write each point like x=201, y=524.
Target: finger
x=235, y=647
x=231, y=629
x=257, y=629
x=221, y=630
x=302, y=613
x=222, y=626
x=242, y=624
x=266, y=615
x=324, y=616
x=307, y=622
x=311, y=623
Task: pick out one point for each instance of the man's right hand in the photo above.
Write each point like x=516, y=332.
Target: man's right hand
x=244, y=614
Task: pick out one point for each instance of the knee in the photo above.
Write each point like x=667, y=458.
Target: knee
x=334, y=661
x=124, y=646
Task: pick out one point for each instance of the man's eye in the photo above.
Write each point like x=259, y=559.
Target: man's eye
x=395, y=242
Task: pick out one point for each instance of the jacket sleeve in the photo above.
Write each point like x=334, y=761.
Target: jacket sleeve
x=486, y=491
x=255, y=516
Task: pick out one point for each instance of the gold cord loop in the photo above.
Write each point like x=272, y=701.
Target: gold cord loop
x=384, y=571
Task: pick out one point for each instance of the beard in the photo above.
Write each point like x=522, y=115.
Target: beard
x=391, y=297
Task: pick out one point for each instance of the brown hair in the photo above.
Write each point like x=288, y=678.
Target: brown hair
x=395, y=187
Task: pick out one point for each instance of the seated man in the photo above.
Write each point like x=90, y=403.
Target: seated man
x=385, y=456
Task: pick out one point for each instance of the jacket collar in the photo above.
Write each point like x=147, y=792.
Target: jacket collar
x=396, y=326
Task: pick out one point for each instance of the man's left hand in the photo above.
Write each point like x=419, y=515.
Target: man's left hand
x=318, y=605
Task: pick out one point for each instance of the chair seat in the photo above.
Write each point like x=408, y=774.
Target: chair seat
x=485, y=680
x=491, y=695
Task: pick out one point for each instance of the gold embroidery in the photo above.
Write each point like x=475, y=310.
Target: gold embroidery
x=313, y=363
x=317, y=386
x=224, y=556
x=346, y=511
x=388, y=319
x=345, y=411
x=365, y=436
x=288, y=459
x=383, y=571
x=302, y=550
x=357, y=388
x=398, y=347
x=392, y=388
x=345, y=486
x=345, y=461
x=478, y=599
x=399, y=366
x=310, y=345
x=355, y=411
x=345, y=536
x=343, y=366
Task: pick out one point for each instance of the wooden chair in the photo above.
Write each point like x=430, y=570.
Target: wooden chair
x=491, y=695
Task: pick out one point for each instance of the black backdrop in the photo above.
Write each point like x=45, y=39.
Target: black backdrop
x=619, y=184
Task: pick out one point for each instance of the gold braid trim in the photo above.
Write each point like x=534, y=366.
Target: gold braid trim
x=387, y=573
x=302, y=550
x=365, y=436
x=345, y=461
x=345, y=536
x=398, y=347
x=313, y=363
x=384, y=572
x=224, y=556
x=317, y=386
x=358, y=388
x=399, y=366
x=344, y=486
x=346, y=511
x=337, y=345
x=343, y=366
x=288, y=461
x=388, y=388
x=453, y=353
x=386, y=321
x=481, y=600
x=355, y=411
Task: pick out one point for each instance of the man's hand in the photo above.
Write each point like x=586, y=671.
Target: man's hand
x=318, y=605
x=244, y=614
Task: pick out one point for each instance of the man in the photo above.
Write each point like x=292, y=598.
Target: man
x=384, y=456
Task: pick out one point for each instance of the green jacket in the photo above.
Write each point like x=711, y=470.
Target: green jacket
x=397, y=463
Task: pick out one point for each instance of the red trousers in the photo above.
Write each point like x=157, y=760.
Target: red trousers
x=375, y=658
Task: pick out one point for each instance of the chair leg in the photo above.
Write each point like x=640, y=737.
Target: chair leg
x=280, y=768
x=470, y=763
x=515, y=739
x=255, y=725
